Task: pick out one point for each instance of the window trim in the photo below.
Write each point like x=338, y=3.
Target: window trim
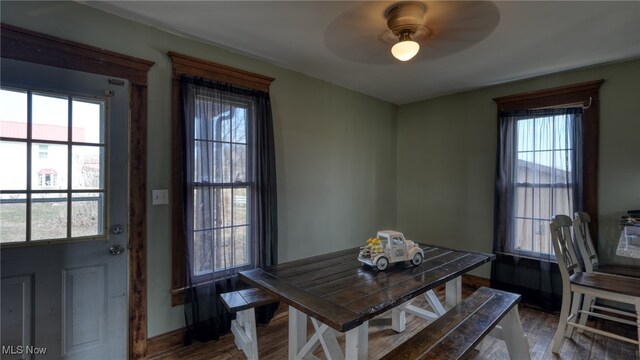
x=191, y=66
x=582, y=94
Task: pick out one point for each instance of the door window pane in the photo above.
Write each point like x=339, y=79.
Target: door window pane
x=13, y=114
x=13, y=212
x=87, y=167
x=13, y=155
x=50, y=117
x=87, y=211
x=87, y=120
x=48, y=216
x=50, y=172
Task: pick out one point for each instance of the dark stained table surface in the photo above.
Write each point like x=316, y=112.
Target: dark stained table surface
x=341, y=292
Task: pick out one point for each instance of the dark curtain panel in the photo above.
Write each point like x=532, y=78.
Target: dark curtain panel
x=230, y=210
x=538, y=175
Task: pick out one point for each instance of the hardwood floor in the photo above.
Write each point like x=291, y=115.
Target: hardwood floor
x=538, y=326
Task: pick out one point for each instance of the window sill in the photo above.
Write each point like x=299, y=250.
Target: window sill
x=177, y=295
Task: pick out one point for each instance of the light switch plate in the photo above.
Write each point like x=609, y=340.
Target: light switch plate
x=160, y=197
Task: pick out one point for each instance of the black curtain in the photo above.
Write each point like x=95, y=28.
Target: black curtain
x=229, y=207
x=538, y=175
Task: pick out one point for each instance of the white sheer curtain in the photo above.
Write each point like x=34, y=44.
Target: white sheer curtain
x=229, y=206
x=538, y=175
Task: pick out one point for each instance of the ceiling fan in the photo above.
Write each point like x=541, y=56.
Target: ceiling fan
x=430, y=29
x=406, y=21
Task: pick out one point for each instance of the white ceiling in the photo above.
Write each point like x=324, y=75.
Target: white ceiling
x=471, y=45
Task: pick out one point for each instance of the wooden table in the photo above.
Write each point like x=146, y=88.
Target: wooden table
x=338, y=292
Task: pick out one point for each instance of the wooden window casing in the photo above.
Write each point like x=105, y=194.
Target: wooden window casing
x=194, y=67
x=585, y=95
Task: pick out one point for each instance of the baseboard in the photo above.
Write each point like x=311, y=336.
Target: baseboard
x=162, y=343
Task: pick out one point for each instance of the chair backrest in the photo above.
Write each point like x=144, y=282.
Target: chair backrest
x=563, y=246
x=583, y=238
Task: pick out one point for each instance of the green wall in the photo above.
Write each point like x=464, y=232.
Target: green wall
x=447, y=149
x=335, y=148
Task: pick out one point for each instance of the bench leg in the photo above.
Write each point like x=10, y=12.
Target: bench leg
x=513, y=336
x=453, y=292
x=244, y=333
x=398, y=319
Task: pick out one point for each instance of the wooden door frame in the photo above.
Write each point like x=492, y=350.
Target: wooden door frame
x=26, y=45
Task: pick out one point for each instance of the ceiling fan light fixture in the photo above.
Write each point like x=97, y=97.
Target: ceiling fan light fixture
x=404, y=19
x=406, y=48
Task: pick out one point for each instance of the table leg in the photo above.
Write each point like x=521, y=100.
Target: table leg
x=398, y=317
x=327, y=338
x=357, y=342
x=297, y=331
x=453, y=292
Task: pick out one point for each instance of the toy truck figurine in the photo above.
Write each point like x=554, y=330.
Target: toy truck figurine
x=390, y=246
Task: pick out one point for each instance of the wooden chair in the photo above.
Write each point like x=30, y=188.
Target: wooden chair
x=592, y=264
x=576, y=284
x=588, y=251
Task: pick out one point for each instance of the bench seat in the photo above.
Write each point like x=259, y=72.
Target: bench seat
x=243, y=303
x=246, y=299
x=456, y=333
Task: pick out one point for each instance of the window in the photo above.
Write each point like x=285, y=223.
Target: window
x=222, y=190
x=43, y=151
x=223, y=186
x=47, y=178
x=543, y=175
x=52, y=159
x=547, y=163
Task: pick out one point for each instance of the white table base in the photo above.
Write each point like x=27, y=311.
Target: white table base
x=453, y=295
x=356, y=340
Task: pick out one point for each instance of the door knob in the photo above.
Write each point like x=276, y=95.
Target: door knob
x=116, y=249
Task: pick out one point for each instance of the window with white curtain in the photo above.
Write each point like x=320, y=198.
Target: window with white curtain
x=543, y=179
x=222, y=188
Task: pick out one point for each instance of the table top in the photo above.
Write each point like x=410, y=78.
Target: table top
x=340, y=291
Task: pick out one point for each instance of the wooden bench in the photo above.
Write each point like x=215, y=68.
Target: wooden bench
x=459, y=330
x=243, y=303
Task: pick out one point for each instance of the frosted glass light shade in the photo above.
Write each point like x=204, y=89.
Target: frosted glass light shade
x=405, y=50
